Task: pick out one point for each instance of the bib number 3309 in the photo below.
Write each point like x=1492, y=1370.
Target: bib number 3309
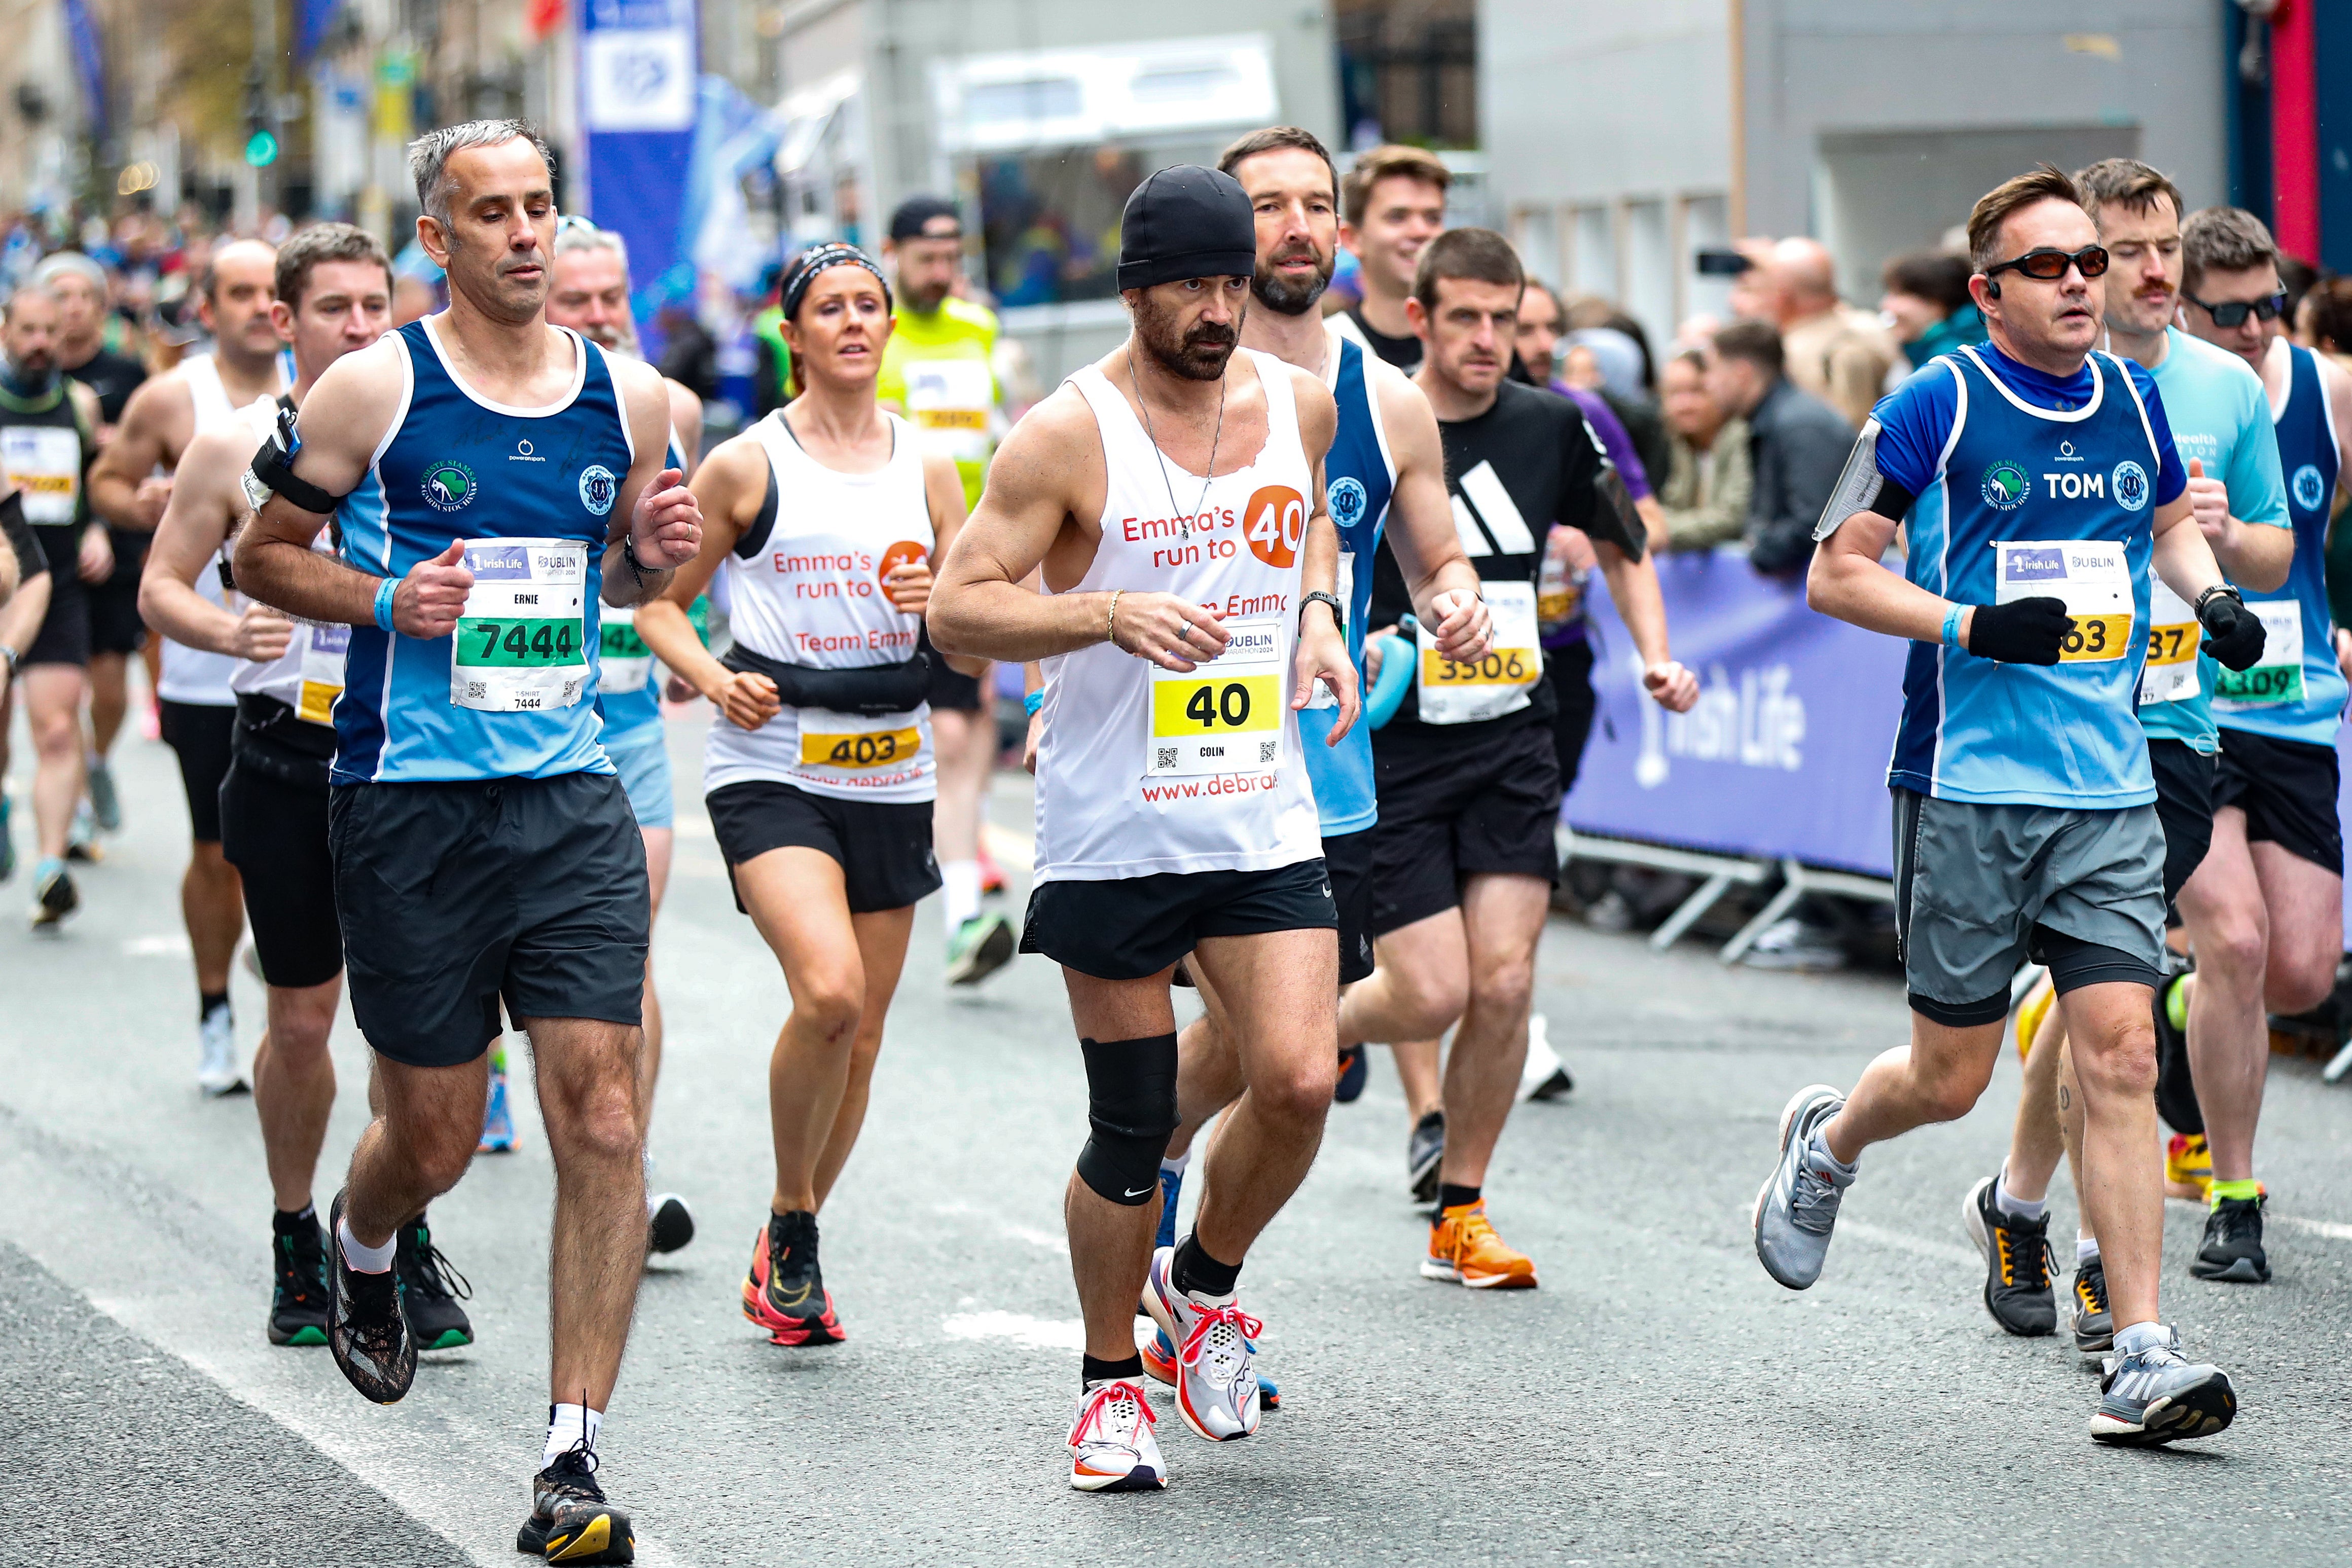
x=520, y=646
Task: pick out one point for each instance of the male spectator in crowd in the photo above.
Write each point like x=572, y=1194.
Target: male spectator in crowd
x=1710, y=476
x=116, y=632
x=1928, y=298
x=1797, y=443
x=1536, y=350
x=1840, y=356
x=1392, y=204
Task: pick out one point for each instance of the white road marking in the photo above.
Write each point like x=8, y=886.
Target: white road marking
x=171, y=945
x=2328, y=1227
x=1037, y=1334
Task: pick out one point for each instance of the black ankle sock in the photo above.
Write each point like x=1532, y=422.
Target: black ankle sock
x=1451, y=1197
x=207, y=1000
x=1194, y=1272
x=1091, y=1371
x=290, y=1220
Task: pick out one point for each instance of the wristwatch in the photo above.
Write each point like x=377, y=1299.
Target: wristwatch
x=1338, y=610
x=10, y=655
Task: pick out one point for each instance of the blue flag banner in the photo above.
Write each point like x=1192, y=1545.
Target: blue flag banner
x=638, y=74
x=311, y=20
x=89, y=62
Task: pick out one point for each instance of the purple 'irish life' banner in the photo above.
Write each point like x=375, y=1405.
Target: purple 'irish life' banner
x=1785, y=753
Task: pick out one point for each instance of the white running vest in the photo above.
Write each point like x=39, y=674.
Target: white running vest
x=812, y=596
x=1142, y=770
x=308, y=676
x=192, y=674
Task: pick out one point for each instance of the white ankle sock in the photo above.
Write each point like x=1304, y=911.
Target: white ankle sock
x=364, y=1259
x=2015, y=1208
x=2086, y=1248
x=959, y=892
x=565, y=1424
x=2138, y=1336
x=1177, y=1164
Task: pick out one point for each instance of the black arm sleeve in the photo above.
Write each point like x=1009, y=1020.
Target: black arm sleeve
x=31, y=559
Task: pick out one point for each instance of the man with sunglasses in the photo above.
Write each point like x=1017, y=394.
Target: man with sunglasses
x=2222, y=428
x=2039, y=487
x=2265, y=909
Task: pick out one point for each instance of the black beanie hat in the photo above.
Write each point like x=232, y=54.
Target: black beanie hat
x=1186, y=221
x=914, y=213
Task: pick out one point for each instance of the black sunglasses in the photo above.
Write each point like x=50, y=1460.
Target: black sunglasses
x=2233, y=312
x=2049, y=264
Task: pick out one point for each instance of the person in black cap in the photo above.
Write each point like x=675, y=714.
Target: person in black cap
x=1172, y=494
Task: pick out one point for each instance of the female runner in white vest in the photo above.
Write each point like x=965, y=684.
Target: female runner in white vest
x=824, y=518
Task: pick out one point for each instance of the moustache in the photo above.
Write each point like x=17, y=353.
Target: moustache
x=1209, y=332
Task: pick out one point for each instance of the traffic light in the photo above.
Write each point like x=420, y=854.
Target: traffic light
x=260, y=131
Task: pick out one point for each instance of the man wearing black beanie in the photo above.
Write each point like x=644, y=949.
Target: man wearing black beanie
x=1172, y=494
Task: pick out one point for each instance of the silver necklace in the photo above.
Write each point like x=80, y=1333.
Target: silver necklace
x=1184, y=525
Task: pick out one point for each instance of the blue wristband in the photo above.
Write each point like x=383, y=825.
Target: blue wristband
x=1033, y=701
x=1952, y=626
x=385, y=591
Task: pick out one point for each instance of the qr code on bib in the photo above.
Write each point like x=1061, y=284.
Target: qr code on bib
x=1266, y=751
x=1167, y=756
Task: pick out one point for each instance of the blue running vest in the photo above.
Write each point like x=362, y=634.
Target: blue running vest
x=2270, y=699
x=2067, y=735
x=1359, y=478
x=456, y=466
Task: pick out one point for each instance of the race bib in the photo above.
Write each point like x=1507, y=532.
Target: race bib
x=1498, y=683
x=950, y=394
x=1226, y=717
x=858, y=750
x=2277, y=681
x=520, y=646
x=2171, y=674
x=624, y=662
x=323, y=648
x=45, y=461
x=1323, y=696
x=2089, y=576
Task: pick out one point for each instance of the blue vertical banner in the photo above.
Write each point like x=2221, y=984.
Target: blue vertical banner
x=638, y=66
x=89, y=63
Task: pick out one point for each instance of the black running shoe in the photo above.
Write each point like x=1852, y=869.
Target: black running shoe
x=365, y=1328
x=2234, y=1243
x=785, y=1292
x=2095, y=1321
x=1424, y=1151
x=54, y=897
x=1353, y=1071
x=2017, y=1264
x=570, y=1520
x=298, y=1302
x=430, y=1290
x=669, y=1224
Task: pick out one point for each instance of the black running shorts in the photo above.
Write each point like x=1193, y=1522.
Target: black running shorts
x=64, y=636
x=1570, y=669
x=1349, y=859
x=275, y=833
x=199, y=735
x=115, y=626
x=1131, y=928
x=2288, y=790
x=455, y=896
x=2184, y=805
x=884, y=847
x=1456, y=800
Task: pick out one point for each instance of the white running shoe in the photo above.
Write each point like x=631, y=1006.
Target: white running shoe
x=216, y=1072
x=1111, y=1446
x=1216, y=1384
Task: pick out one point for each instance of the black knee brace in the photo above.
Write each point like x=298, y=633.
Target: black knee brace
x=1131, y=1104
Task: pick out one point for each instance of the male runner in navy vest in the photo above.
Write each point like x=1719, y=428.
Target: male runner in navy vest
x=488, y=475
x=2039, y=487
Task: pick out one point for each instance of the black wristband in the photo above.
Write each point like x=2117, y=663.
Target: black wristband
x=2230, y=589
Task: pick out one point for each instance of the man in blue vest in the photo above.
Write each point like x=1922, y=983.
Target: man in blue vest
x=2039, y=489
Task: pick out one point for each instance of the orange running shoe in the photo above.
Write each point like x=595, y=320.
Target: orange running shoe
x=2188, y=1167
x=1463, y=1248
x=992, y=875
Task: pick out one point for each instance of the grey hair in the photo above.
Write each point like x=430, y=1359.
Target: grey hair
x=74, y=263
x=429, y=154
x=576, y=234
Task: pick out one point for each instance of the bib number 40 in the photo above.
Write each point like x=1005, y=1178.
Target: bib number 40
x=1231, y=703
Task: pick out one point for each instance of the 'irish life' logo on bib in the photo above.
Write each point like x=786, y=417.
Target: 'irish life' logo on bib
x=448, y=486
x=597, y=488
x=2006, y=487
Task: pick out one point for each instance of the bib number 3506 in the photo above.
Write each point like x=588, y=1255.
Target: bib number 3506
x=520, y=644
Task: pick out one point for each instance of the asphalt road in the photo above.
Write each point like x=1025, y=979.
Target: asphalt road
x=1659, y=1399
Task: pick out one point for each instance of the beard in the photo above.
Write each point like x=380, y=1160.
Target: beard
x=1198, y=355
x=1286, y=297
x=620, y=337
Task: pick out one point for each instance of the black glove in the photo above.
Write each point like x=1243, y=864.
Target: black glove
x=2027, y=632
x=2234, y=634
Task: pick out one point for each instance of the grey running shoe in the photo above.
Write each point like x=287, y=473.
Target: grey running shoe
x=2234, y=1243
x=2087, y=1304
x=1798, y=1206
x=1424, y=1151
x=105, y=805
x=2157, y=1394
x=982, y=946
x=1216, y=1373
x=2017, y=1264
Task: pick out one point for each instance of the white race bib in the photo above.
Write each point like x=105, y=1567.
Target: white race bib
x=45, y=461
x=2089, y=576
x=520, y=645
x=624, y=663
x=2171, y=674
x=1226, y=717
x=323, y=650
x=1322, y=697
x=1498, y=683
x=2275, y=681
